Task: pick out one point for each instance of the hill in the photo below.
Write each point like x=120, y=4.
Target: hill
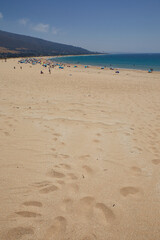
x=16, y=45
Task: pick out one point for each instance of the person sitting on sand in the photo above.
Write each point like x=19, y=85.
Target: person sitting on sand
x=41, y=72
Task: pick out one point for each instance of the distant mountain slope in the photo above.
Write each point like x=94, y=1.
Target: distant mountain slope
x=14, y=45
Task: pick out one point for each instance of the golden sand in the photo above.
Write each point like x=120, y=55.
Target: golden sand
x=80, y=154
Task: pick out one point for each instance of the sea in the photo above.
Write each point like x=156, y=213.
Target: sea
x=144, y=61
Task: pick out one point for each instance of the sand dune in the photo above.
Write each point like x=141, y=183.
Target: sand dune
x=80, y=154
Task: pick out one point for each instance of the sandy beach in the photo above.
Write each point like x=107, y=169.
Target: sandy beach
x=80, y=153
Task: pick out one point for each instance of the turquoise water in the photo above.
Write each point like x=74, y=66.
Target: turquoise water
x=130, y=61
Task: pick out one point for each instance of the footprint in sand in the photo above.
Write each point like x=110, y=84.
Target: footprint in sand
x=156, y=161
x=61, y=182
x=96, y=141
x=72, y=176
x=90, y=209
x=41, y=184
x=138, y=148
x=125, y=191
x=84, y=157
x=33, y=203
x=53, y=149
x=66, y=166
x=98, y=134
x=55, y=174
x=6, y=133
x=85, y=206
x=28, y=214
x=106, y=211
x=87, y=169
x=10, y=125
x=136, y=170
x=55, y=139
x=49, y=189
x=57, y=229
x=67, y=205
x=17, y=233
x=57, y=134
x=127, y=134
x=73, y=187
x=56, y=166
x=87, y=201
x=65, y=156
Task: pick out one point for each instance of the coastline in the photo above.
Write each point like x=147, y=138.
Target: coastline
x=49, y=58
x=80, y=65
x=105, y=65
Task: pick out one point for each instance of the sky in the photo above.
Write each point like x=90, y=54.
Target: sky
x=118, y=26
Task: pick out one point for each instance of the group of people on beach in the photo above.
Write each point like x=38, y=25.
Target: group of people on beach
x=44, y=62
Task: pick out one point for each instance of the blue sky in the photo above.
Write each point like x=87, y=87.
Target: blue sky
x=109, y=26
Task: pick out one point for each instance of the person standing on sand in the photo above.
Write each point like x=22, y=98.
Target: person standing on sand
x=49, y=71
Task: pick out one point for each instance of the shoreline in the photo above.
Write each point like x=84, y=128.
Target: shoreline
x=78, y=64
x=99, y=65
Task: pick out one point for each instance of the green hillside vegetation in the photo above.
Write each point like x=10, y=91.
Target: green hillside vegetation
x=16, y=45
